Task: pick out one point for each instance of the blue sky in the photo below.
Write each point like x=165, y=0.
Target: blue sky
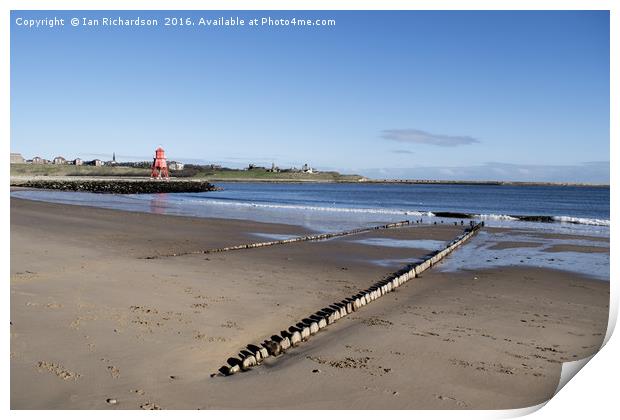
x=511, y=95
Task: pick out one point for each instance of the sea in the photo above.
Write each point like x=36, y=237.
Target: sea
x=329, y=207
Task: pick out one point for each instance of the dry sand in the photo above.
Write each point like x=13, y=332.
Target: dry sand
x=95, y=325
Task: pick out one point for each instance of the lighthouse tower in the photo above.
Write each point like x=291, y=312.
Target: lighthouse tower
x=160, y=166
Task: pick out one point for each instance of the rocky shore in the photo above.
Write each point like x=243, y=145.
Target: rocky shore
x=115, y=185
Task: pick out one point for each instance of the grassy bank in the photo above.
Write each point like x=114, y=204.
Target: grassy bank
x=20, y=169
x=190, y=171
x=262, y=175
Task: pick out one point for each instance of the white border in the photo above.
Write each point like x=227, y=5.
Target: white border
x=592, y=394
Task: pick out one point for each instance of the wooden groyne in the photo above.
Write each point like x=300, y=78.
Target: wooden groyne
x=317, y=237
x=116, y=185
x=253, y=355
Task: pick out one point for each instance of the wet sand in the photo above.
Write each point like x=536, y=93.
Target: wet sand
x=577, y=248
x=95, y=325
x=534, y=235
x=515, y=244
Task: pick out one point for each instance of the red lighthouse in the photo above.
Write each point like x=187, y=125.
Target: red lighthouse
x=160, y=167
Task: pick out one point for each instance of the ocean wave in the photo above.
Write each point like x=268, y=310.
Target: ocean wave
x=415, y=213
x=526, y=218
x=581, y=221
x=77, y=198
x=317, y=208
x=496, y=217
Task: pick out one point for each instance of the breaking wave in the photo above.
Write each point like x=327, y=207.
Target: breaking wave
x=581, y=221
x=496, y=217
x=319, y=208
x=415, y=213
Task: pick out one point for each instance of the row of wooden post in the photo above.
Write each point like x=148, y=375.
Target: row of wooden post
x=277, y=344
x=317, y=237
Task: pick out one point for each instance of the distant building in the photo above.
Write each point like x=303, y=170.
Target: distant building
x=175, y=166
x=95, y=162
x=273, y=168
x=59, y=160
x=78, y=162
x=307, y=169
x=113, y=161
x=17, y=158
x=38, y=160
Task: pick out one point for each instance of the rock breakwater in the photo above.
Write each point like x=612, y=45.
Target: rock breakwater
x=117, y=186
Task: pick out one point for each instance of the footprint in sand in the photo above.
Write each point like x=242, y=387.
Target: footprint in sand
x=150, y=406
x=114, y=371
x=217, y=339
x=230, y=324
x=374, y=321
x=452, y=399
x=57, y=370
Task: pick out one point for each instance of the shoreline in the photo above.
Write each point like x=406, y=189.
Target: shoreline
x=328, y=181
x=91, y=321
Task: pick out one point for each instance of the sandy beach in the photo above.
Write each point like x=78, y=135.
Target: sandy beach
x=96, y=325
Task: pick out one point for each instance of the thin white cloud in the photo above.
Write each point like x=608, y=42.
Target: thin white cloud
x=414, y=136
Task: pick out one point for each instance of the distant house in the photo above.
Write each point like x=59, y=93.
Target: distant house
x=38, y=160
x=97, y=162
x=307, y=169
x=17, y=158
x=78, y=162
x=273, y=168
x=59, y=160
x=175, y=166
